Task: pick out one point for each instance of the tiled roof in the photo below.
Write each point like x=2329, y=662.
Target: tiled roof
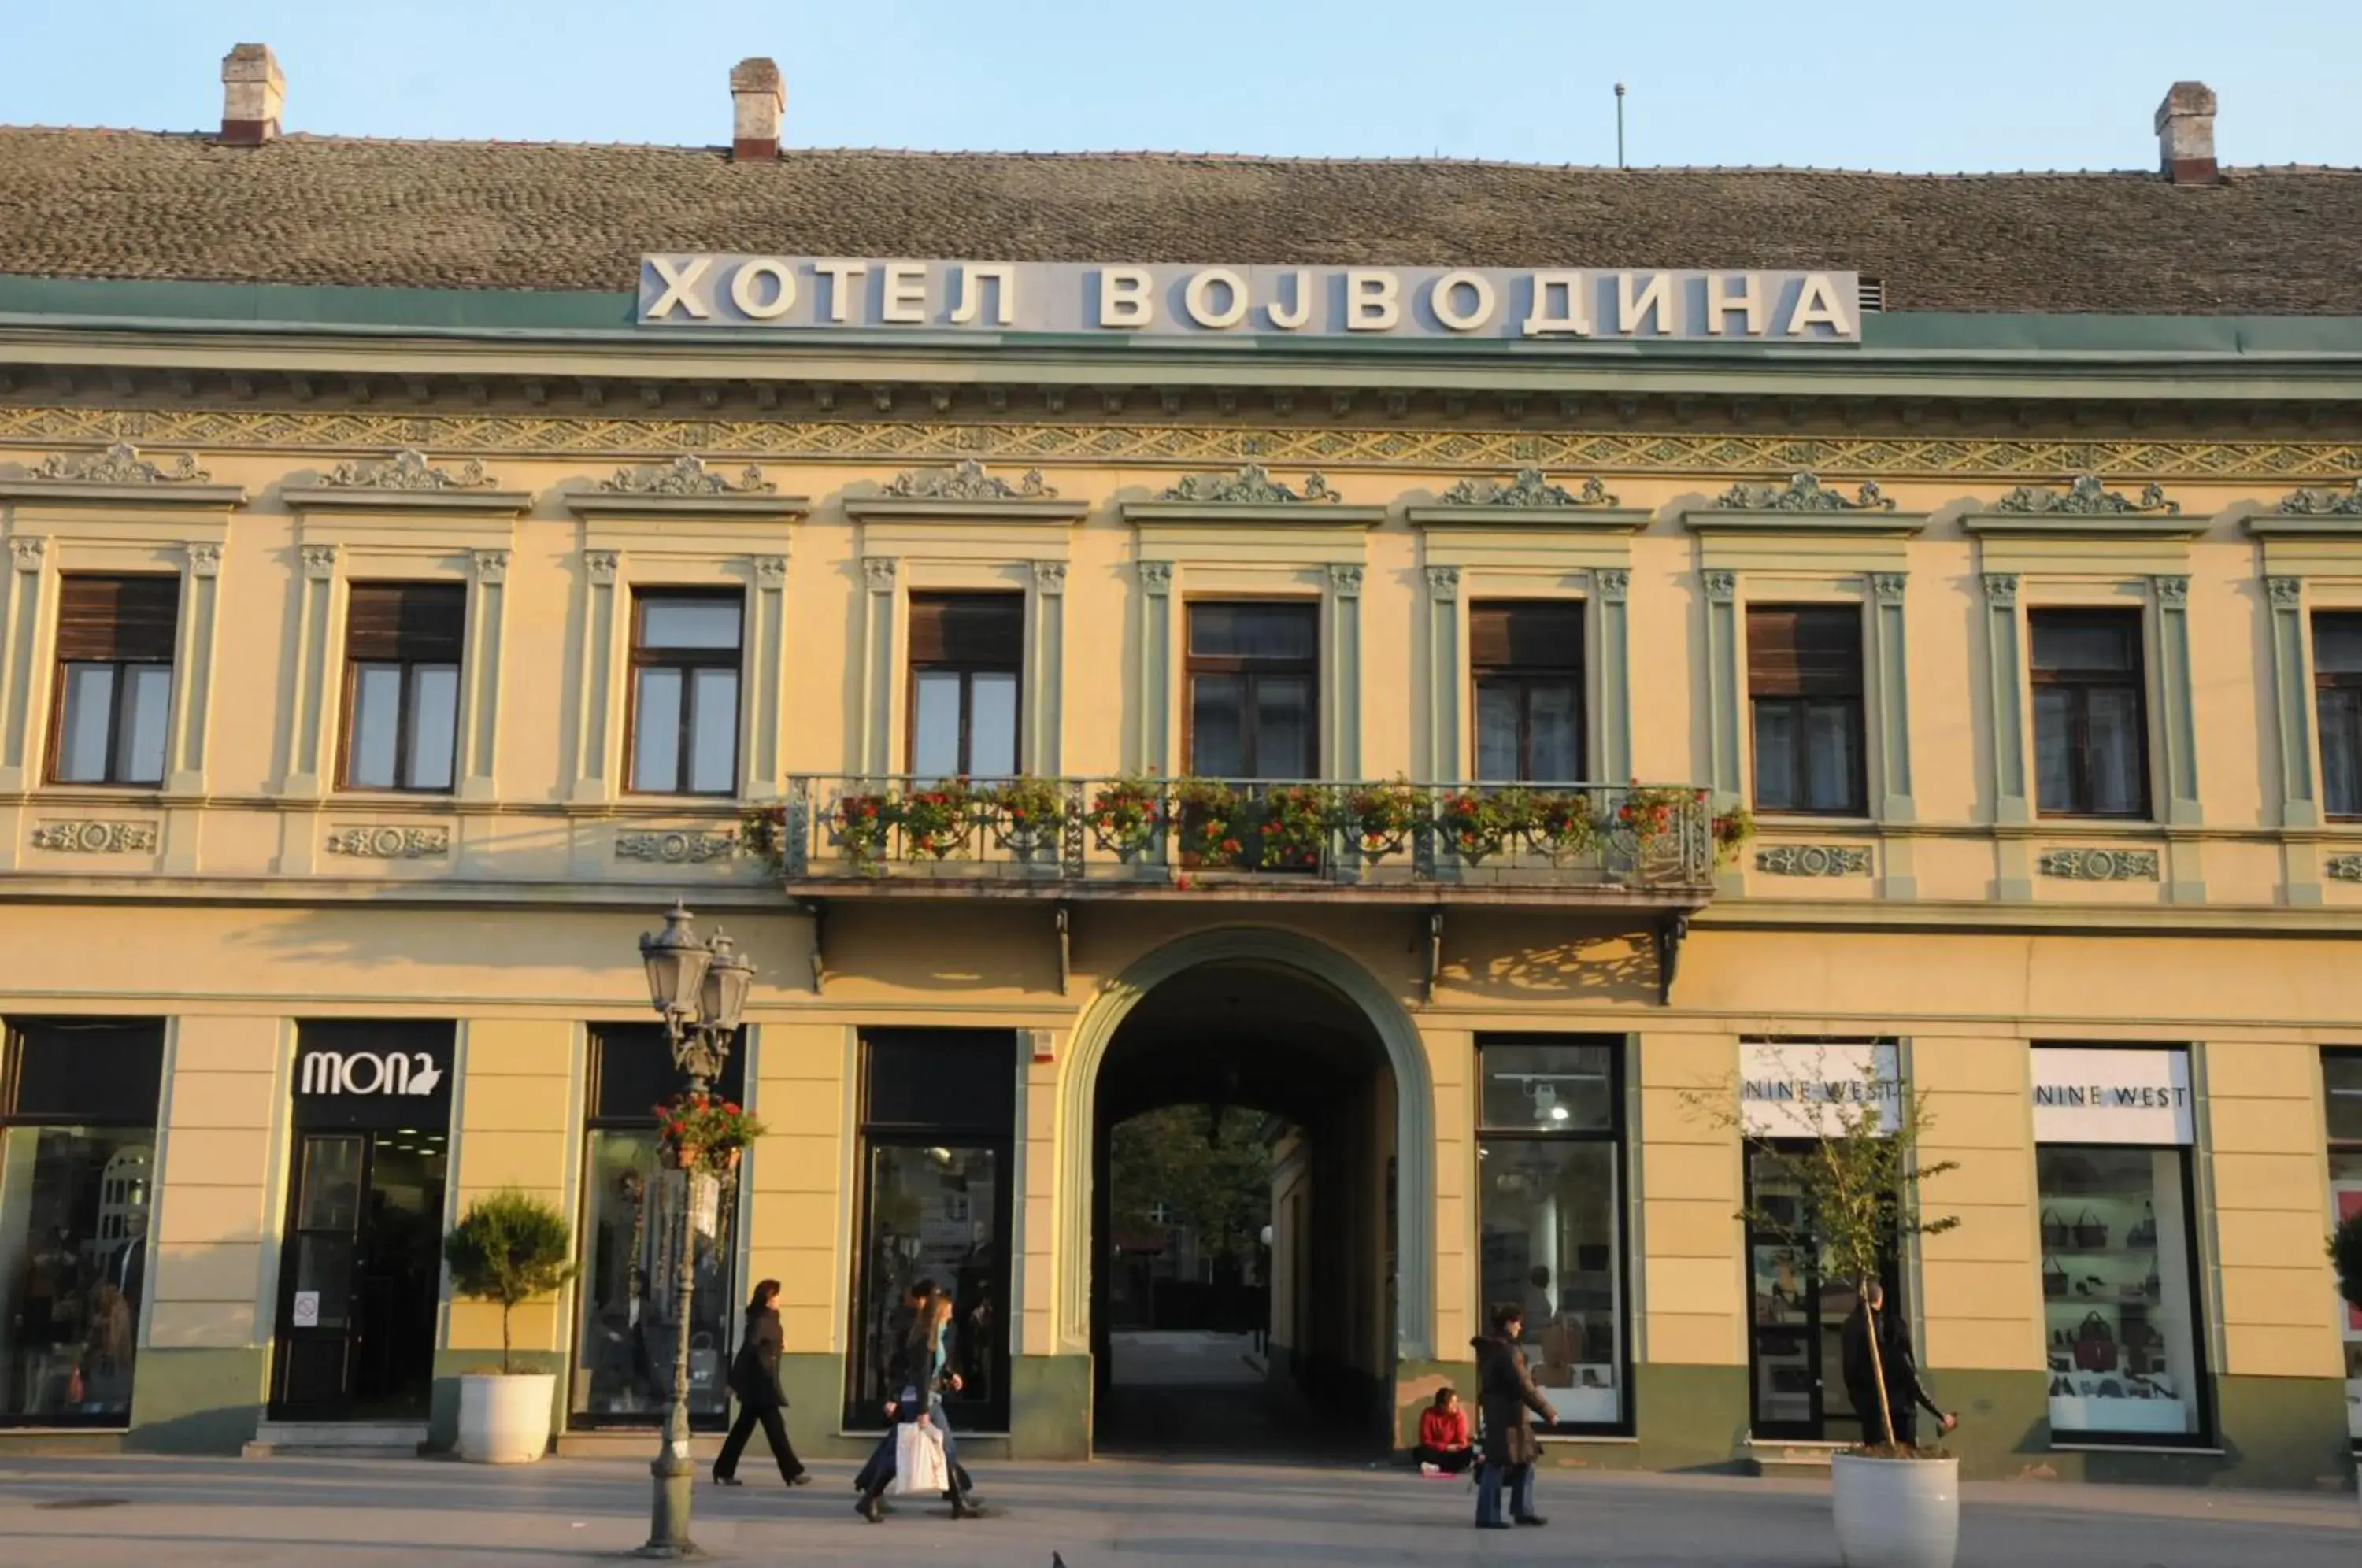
x=103, y=204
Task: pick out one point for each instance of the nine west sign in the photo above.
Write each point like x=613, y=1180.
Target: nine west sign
x=1576, y=305
x=2084, y=1095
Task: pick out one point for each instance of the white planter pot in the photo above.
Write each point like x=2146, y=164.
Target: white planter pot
x=1897, y=1513
x=505, y=1420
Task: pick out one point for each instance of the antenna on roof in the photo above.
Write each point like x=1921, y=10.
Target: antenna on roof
x=1620, y=125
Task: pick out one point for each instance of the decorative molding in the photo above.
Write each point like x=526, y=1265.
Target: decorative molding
x=1531, y=488
x=2086, y=496
x=1250, y=486
x=966, y=480
x=1345, y=581
x=118, y=463
x=28, y=553
x=319, y=562
x=1050, y=577
x=1814, y=859
x=879, y=572
x=676, y=847
x=384, y=842
x=1155, y=577
x=1721, y=587
x=1443, y=582
x=1614, y=583
x=2172, y=593
x=771, y=571
x=407, y=469
x=2287, y=592
x=492, y=566
x=2001, y=590
x=602, y=565
x=88, y=837
x=2100, y=865
x=2321, y=502
x=1887, y=587
x=2343, y=868
x=1802, y=492
x=685, y=475
x=204, y=558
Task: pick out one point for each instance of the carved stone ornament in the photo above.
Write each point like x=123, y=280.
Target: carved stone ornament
x=1529, y=487
x=204, y=559
x=2001, y=590
x=1248, y=487
x=2343, y=867
x=1802, y=492
x=2287, y=592
x=28, y=553
x=492, y=566
x=1346, y=581
x=2323, y=503
x=1888, y=587
x=118, y=464
x=1614, y=583
x=2085, y=496
x=2172, y=593
x=319, y=562
x=1721, y=587
x=685, y=475
x=967, y=481
x=676, y=848
x=602, y=565
x=1050, y=577
x=1813, y=860
x=2100, y=865
x=406, y=469
x=771, y=571
x=1156, y=577
x=1443, y=582
x=879, y=572
x=96, y=838
x=390, y=843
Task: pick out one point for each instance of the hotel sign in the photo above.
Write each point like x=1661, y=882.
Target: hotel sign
x=1562, y=305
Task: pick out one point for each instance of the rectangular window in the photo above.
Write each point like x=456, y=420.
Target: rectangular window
x=114, y=677
x=2091, y=707
x=1525, y=659
x=402, y=643
x=78, y=1103
x=1254, y=674
x=2337, y=697
x=685, y=692
x=1804, y=684
x=968, y=655
x=2341, y=1073
x=633, y=1209
x=1551, y=1157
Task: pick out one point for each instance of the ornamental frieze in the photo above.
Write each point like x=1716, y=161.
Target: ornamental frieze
x=87, y=838
x=2087, y=497
x=407, y=469
x=384, y=842
x=1250, y=486
x=119, y=463
x=1813, y=860
x=1802, y=492
x=966, y=480
x=1529, y=487
x=680, y=848
x=2100, y=865
x=2323, y=503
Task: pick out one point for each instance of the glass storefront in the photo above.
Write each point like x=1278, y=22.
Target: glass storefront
x=77, y=1179
x=2341, y=1073
x=1551, y=1160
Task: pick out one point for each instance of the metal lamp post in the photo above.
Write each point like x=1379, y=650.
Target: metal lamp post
x=699, y=989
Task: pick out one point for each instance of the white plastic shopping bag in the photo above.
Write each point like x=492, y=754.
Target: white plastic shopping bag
x=918, y=1468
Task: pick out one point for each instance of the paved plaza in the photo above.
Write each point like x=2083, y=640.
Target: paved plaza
x=165, y=1513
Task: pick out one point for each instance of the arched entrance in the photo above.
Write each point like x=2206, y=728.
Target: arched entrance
x=1296, y=1039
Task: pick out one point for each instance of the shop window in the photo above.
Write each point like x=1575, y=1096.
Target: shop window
x=2337, y=697
x=684, y=726
x=1254, y=672
x=938, y=1121
x=1525, y=659
x=967, y=651
x=2090, y=727
x=1551, y=1158
x=1804, y=686
x=633, y=1209
x=2341, y=1073
x=78, y=1101
x=2113, y=1130
x=114, y=677
x=401, y=683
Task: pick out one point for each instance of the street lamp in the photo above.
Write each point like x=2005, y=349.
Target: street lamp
x=699, y=989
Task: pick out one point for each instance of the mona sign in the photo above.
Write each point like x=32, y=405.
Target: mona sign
x=411, y=1072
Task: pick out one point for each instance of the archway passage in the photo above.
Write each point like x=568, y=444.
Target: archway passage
x=1287, y=1345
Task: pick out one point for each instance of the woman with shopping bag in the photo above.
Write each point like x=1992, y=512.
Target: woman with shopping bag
x=922, y=1461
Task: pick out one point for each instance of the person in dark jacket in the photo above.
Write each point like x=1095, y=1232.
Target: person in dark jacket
x=755, y=1379
x=918, y=1370
x=1505, y=1395
x=1906, y=1394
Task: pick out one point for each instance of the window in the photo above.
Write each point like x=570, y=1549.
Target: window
x=2091, y=740
x=2337, y=695
x=1527, y=661
x=685, y=694
x=967, y=651
x=78, y=1104
x=401, y=683
x=114, y=677
x=2341, y=1073
x=1803, y=683
x=1254, y=702
x=632, y=1214
x=1549, y=1157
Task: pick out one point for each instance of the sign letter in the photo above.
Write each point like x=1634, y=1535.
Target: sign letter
x=1373, y=300
x=1818, y=304
x=1574, y=315
x=840, y=276
x=1444, y=303
x=1295, y=318
x=1720, y=302
x=1654, y=301
x=746, y=293
x=906, y=293
x=1123, y=297
x=971, y=295
x=677, y=286
x=1201, y=290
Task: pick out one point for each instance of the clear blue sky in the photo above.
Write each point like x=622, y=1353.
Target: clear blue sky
x=1905, y=84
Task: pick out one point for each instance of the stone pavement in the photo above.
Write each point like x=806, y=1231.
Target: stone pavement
x=165, y=1513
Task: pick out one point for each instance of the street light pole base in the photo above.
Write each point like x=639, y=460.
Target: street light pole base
x=674, y=1474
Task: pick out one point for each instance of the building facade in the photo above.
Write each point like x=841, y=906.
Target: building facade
x=1478, y=751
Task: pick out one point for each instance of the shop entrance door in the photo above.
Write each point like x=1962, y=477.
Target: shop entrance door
x=1797, y=1317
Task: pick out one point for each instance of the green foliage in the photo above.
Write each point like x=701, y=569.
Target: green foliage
x=510, y=1248
x=1220, y=1188
x=2345, y=1252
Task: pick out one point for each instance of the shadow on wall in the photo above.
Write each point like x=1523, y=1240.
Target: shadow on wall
x=1506, y=961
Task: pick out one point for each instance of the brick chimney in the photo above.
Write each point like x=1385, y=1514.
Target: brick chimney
x=252, y=92
x=2185, y=134
x=758, y=105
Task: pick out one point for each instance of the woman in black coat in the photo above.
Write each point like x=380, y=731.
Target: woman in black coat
x=755, y=1379
x=1505, y=1393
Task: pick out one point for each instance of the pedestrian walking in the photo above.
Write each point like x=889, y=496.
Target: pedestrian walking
x=1504, y=1394
x=1906, y=1394
x=920, y=1372
x=755, y=1379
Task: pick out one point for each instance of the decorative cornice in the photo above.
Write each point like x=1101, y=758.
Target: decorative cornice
x=406, y=469
x=1250, y=486
x=1813, y=860
x=1529, y=490
x=2312, y=513
x=1802, y=492
x=2100, y=865
x=685, y=475
x=966, y=480
x=117, y=474
x=405, y=481
x=2085, y=496
x=2321, y=502
x=84, y=836
x=676, y=847
x=386, y=843
x=118, y=464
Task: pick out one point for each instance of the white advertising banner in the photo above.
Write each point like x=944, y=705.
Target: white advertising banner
x=1790, y=1089
x=2092, y=1095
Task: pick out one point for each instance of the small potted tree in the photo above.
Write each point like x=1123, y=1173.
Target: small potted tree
x=511, y=1248
x=2345, y=1253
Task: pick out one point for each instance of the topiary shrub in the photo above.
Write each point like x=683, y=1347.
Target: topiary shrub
x=510, y=1248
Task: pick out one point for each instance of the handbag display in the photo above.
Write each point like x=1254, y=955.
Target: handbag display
x=2144, y=1233
x=2057, y=1234
x=2054, y=1278
x=2095, y=1345
x=2091, y=1232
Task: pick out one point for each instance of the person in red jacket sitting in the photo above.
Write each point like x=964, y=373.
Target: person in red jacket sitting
x=1445, y=1444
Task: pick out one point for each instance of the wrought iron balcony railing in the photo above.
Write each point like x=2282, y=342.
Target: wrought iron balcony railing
x=1059, y=838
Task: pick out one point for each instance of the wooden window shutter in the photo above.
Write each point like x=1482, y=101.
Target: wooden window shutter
x=1804, y=651
x=1528, y=635
x=973, y=630
x=385, y=622
x=118, y=617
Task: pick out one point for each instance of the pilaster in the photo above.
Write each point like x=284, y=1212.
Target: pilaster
x=594, y=744
x=1890, y=677
x=2006, y=686
x=1153, y=605
x=1613, y=616
x=1723, y=691
x=28, y=558
x=1046, y=670
x=880, y=577
x=2186, y=878
x=1444, y=653
x=766, y=675
x=2292, y=704
x=1342, y=749
x=480, y=674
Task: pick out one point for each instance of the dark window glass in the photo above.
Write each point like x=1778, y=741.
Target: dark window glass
x=631, y=1069
x=967, y=653
x=114, y=677
x=403, y=642
x=2091, y=729
x=2341, y=1073
x=685, y=694
x=1525, y=659
x=2337, y=697
x=1253, y=671
x=86, y=1070
x=1805, y=686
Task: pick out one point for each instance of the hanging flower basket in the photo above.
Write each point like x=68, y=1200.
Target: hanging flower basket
x=938, y=820
x=1378, y=818
x=1126, y=815
x=704, y=1131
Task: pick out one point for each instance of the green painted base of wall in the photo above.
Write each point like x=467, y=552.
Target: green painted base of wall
x=1686, y=1417
x=443, y=1406
x=65, y=1443
x=197, y=1401
x=1050, y=1407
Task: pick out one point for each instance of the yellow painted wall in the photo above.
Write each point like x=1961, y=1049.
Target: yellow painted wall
x=1690, y=1287
x=2263, y=1156
x=797, y=1182
x=1980, y=1293
x=217, y=1209
x=518, y=1113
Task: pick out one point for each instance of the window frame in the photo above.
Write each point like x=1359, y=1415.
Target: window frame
x=1250, y=670
x=1575, y=675
x=2334, y=1147
x=967, y=670
x=689, y=661
x=2080, y=684
x=2346, y=685
x=1802, y=705
x=405, y=717
x=118, y=668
